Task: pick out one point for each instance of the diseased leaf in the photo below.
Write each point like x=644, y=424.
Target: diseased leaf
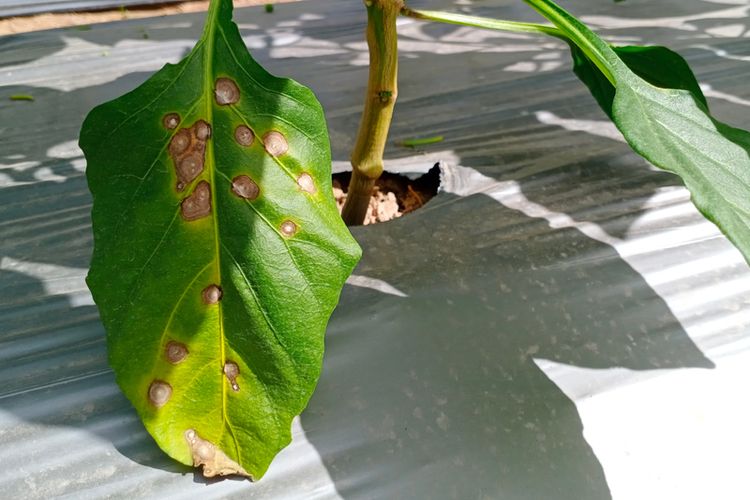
x=219, y=252
x=670, y=127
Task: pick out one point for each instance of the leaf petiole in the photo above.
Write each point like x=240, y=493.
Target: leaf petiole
x=483, y=22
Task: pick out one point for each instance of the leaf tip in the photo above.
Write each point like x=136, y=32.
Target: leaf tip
x=214, y=461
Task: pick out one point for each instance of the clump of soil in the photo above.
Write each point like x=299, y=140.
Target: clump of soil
x=394, y=194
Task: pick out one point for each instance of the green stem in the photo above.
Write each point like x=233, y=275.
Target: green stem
x=382, y=90
x=367, y=156
x=483, y=22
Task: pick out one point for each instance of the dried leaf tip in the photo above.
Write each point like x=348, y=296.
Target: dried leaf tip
x=214, y=461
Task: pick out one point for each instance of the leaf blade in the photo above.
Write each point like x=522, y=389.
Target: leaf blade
x=672, y=128
x=657, y=65
x=152, y=266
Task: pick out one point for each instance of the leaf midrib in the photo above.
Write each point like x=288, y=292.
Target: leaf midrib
x=208, y=84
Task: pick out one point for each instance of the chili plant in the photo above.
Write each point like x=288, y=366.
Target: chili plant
x=220, y=254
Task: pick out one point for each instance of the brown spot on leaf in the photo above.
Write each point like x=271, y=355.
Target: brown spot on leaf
x=243, y=135
x=232, y=371
x=202, y=130
x=188, y=152
x=275, y=143
x=190, y=166
x=198, y=204
x=306, y=183
x=214, y=461
x=159, y=393
x=288, y=228
x=180, y=142
x=244, y=187
x=175, y=352
x=171, y=120
x=226, y=91
x=212, y=294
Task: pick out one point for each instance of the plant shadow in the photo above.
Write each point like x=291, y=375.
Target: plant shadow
x=53, y=350
x=437, y=394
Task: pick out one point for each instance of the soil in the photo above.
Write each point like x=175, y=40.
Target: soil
x=394, y=195
x=23, y=24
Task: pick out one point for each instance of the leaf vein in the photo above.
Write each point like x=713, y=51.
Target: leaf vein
x=150, y=257
x=286, y=244
x=257, y=301
x=146, y=175
x=247, y=73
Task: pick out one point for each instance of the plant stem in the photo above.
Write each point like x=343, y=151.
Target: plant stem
x=382, y=90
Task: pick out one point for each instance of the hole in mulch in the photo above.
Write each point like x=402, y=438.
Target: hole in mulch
x=394, y=194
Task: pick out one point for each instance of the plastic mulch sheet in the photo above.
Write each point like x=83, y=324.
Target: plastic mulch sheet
x=558, y=323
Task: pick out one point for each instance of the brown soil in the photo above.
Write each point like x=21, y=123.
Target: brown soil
x=394, y=195
x=65, y=19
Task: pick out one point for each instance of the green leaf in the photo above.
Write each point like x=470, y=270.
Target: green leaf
x=672, y=128
x=219, y=253
x=659, y=66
